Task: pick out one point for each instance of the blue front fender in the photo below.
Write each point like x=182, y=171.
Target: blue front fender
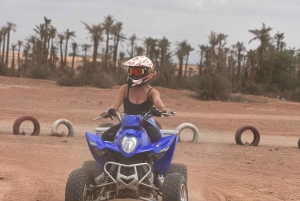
x=95, y=141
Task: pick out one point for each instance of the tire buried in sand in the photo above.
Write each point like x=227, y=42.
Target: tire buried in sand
x=21, y=119
x=195, y=130
x=66, y=122
x=241, y=130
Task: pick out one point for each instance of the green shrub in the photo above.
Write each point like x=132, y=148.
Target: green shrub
x=211, y=87
x=42, y=72
x=295, y=95
x=3, y=69
x=254, y=89
x=122, y=76
x=102, y=80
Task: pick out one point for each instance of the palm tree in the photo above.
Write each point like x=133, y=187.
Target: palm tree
x=264, y=37
x=202, y=51
x=85, y=48
x=213, y=41
x=272, y=55
x=68, y=35
x=118, y=37
x=13, y=47
x=251, y=57
x=147, y=43
x=1, y=36
x=74, y=48
x=10, y=27
x=4, y=33
x=132, y=40
x=152, y=47
x=139, y=51
x=180, y=53
x=187, y=52
x=279, y=43
x=164, y=46
x=240, y=48
x=61, y=38
x=52, y=34
x=20, y=43
x=40, y=30
x=45, y=49
x=221, y=38
x=96, y=35
x=107, y=26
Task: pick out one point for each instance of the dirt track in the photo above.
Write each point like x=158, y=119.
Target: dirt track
x=36, y=168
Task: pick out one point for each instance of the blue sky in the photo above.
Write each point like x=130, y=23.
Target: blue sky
x=177, y=20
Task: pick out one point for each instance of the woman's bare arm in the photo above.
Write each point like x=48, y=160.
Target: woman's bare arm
x=155, y=96
x=119, y=97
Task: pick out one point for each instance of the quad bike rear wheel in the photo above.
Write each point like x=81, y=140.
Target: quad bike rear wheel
x=93, y=167
x=78, y=183
x=179, y=168
x=174, y=188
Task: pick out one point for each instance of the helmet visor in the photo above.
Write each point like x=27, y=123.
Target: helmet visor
x=137, y=71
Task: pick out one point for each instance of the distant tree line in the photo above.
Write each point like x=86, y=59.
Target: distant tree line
x=271, y=67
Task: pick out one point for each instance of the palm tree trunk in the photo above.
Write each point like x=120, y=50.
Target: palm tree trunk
x=13, y=61
x=7, y=48
x=179, y=76
x=19, y=60
x=3, y=49
x=186, y=64
x=270, y=74
x=73, y=60
x=95, y=55
x=66, y=49
x=61, y=57
x=200, y=64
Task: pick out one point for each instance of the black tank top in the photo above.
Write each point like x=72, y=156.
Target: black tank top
x=136, y=109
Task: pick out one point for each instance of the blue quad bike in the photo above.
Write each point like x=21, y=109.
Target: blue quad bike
x=131, y=167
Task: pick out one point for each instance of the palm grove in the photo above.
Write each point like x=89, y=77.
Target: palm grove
x=221, y=69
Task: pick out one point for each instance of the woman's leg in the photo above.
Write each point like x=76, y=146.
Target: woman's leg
x=110, y=134
x=152, y=132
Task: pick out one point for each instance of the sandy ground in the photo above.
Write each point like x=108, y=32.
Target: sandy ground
x=36, y=168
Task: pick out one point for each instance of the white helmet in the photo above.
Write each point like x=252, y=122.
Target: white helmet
x=141, y=70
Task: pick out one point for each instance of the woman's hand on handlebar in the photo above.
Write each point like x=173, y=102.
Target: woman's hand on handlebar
x=167, y=110
x=104, y=114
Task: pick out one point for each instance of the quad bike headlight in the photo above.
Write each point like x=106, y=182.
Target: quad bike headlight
x=129, y=144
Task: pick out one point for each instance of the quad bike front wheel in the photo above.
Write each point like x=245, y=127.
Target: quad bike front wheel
x=78, y=184
x=179, y=168
x=93, y=167
x=175, y=188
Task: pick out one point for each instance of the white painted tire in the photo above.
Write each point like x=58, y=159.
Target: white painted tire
x=65, y=122
x=190, y=126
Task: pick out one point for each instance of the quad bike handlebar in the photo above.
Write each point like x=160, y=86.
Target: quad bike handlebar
x=145, y=115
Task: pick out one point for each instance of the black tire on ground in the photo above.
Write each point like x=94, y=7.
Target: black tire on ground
x=174, y=188
x=190, y=126
x=66, y=122
x=76, y=183
x=240, y=131
x=299, y=143
x=179, y=168
x=20, y=120
x=158, y=124
x=93, y=167
x=106, y=124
